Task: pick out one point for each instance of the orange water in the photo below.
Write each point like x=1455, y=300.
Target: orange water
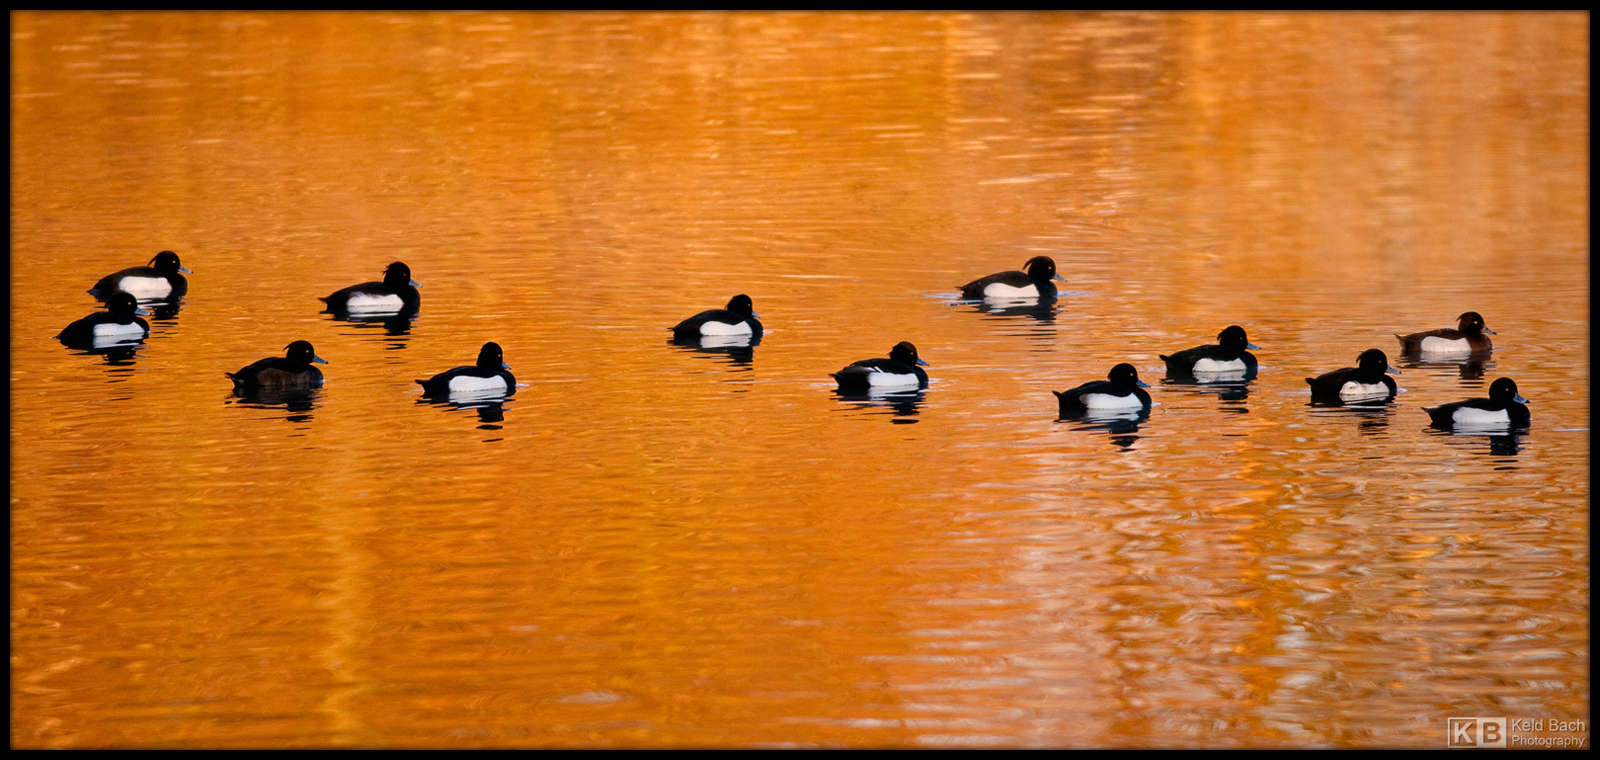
x=656, y=546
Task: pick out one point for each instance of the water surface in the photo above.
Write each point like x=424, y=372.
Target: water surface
x=654, y=545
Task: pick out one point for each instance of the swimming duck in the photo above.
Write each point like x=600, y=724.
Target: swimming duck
x=738, y=319
x=1121, y=391
x=1503, y=408
x=117, y=324
x=397, y=292
x=488, y=377
x=1467, y=338
x=1368, y=380
x=163, y=279
x=293, y=370
x=1034, y=283
x=901, y=371
x=1228, y=356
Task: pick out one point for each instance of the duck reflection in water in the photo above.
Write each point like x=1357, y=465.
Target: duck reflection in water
x=1503, y=443
x=393, y=323
x=118, y=356
x=903, y=404
x=738, y=349
x=1369, y=404
x=1039, y=308
x=1468, y=368
x=121, y=354
x=1122, y=426
x=491, y=411
x=165, y=310
x=1233, y=390
x=296, y=400
x=1373, y=416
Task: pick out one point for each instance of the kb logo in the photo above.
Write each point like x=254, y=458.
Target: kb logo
x=1477, y=733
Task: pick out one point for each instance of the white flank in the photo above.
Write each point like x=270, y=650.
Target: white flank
x=881, y=379
x=1443, y=346
x=466, y=384
x=1108, y=402
x=114, y=330
x=1467, y=416
x=1212, y=366
x=147, y=288
x=1353, y=390
x=1000, y=290
x=714, y=327
x=467, y=389
x=360, y=302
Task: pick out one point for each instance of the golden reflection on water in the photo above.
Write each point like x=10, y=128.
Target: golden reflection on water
x=654, y=546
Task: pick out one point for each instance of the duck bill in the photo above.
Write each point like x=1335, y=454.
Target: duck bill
x=1252, y=346
x=415, y=284
x=318, y=360
x=1519, y=399
x=140, y=310
x=921, y=363
x=1141, y=383
x=503, y=365
x=185, y=270
x=1391, y=370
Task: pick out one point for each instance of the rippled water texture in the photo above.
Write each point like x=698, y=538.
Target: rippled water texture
x=653, y=544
